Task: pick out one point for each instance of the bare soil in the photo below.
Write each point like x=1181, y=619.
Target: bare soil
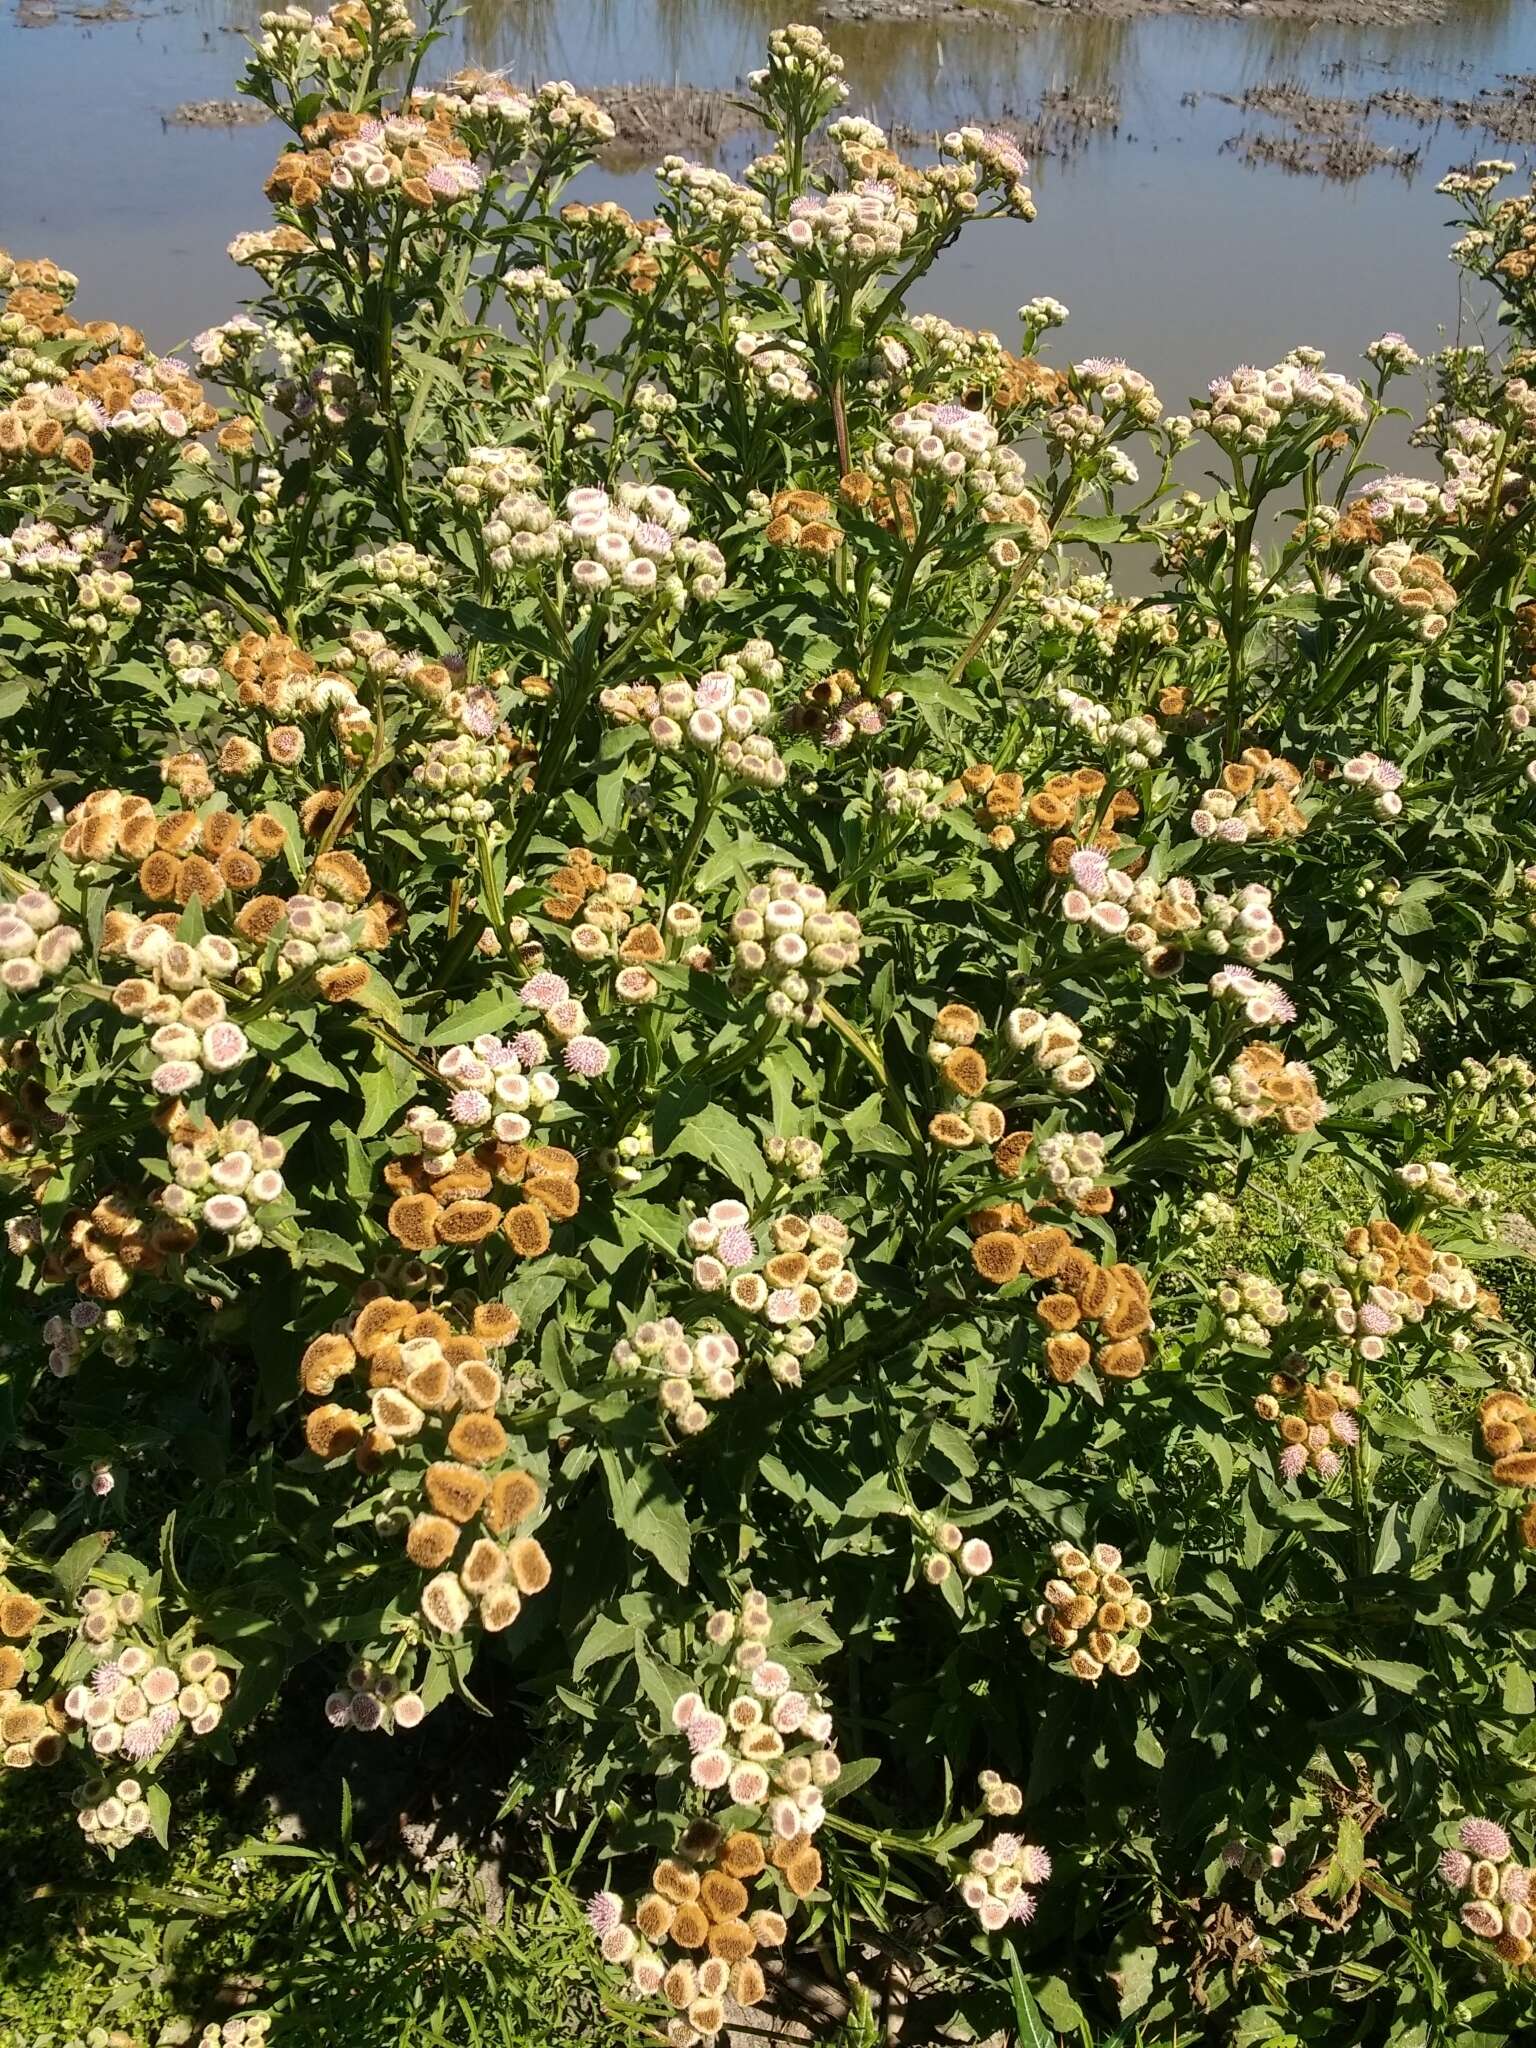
x=970, y=13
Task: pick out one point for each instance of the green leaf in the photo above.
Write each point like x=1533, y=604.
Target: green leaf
x=604, y=1639
x=1348, y=1858
x=386, y=1089
x=722, y=1140
x=325, y=1248
x=158, y=1800
x=1389, y=1000
x=78, y=1562
x=488, y=1011
x=1401, y=1677
x=1030, y=2027
x=649, y=1509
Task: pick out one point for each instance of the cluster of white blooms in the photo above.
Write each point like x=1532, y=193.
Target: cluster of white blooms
x=1137, y=739
x=1252, y=1309
x=1392, y=353
x=1153, y=917
x=498, y=1088
x=1073, y=1163
x=1414, y=584
x=778, y=363
x=395, y=567
x=489, y=473
x=293, y=40
x=372, y=1698
x=952, y=1548
x=997, y=1880
x=635, y=541
x=134, y=1704
x=452, y=779
x=1471, y=456
x=1400, y=502
x=1382, y=778
x=978, y=353
x=1436, y=1183
x=911, y=793
x=192, y=660
x=316, y=934
x=689, y=1370
x=725, y=713
x=1501, y=1093
x=799, y=1158
x=111, y=1816
x=961, y=447
x=786, y=935
x=710, y=203
x=192, y=1031
x=1089, y=1606
x=999, y=160
x=219, y=1175
x=1119, y=388
x=770, y=1745
x=231, y=341
x=1208, y=1212
x=1040, y=315
x=1055, y=1044
x=806, y=1273
x=245, y=2030
x=37, y=549
x=868, y=224
x=1251, y=408
x=1261, y=1002
x=535, y=287
x=35, y=944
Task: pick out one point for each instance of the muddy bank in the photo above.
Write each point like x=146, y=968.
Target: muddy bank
x=652, y=121
x=1331, y=135
x=972, y=13
x=216, y=114
x=1059, y=125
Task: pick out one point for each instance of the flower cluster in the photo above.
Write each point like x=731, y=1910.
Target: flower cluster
x=1386, y=1278
x=221, y=1174
x=1256, y=409
x=948, y=1548
x=372, y=1698
x=1312, y=1420
x=689, y=1370
x=724, y=713
x=1163, y=922
x=805, y=1274
x=787, y=935
x=434, y=1389
x=634, y=543
x=1092, y=1614
x=1054, y=1043
x=999, y=1879
x=479, y=1143
x=1251, y=1307
x=1262, y=1083
x=35, y=943
x=1256, y=800
x=134, y=1703
x=1496, y=1890
x=1414, y=585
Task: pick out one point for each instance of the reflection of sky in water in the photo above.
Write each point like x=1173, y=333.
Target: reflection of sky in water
x=1168, y=252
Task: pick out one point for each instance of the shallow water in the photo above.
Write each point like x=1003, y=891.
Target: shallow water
x=1168, y=251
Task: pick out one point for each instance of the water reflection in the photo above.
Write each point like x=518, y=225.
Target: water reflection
x=1168, y=252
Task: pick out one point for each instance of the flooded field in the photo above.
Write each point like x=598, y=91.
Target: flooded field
x=1210, y=189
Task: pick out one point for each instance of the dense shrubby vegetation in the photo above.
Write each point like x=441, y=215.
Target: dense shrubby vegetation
x=667, y=1077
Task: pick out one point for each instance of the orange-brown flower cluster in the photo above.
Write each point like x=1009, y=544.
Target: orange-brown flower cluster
x=803, y=520
x=104, y=1248
x=24, y=1111
x=31, y=1732
x=581, y=876
x=180, y=854
x=456, y=1208
x=997, y=795
x=1258, y=791
x=1073, y=808
x=704, y=1905
x=888, y=504
x=835, y=709
x=1023, y=383
x=1263, y=1083
x=1113, y=1302
x=301, y=177
x=1507, y=1424
x=434, y=1386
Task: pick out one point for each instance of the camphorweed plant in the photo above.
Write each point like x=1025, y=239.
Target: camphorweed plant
x=630, y=986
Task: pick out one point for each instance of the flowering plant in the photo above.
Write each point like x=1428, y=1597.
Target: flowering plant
x=628, y=984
